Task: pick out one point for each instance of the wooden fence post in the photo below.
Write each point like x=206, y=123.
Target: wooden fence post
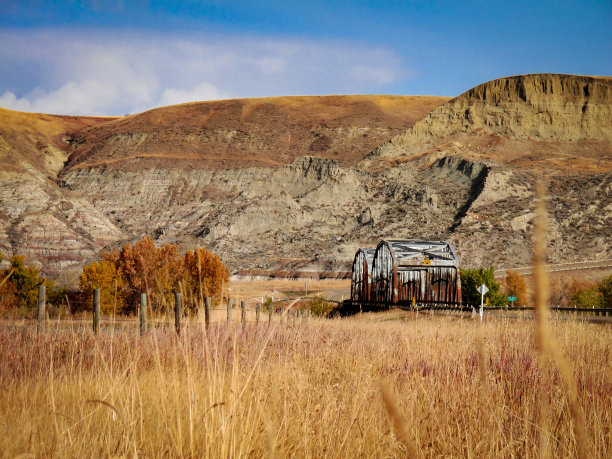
x=229, y=311
x=243, y=312
x=96, y=311
x=257, y=312
x=270, y=313
x=42, y=297
x=306, y=315
x=207, y=303
x=143, y=313
x=178, y=311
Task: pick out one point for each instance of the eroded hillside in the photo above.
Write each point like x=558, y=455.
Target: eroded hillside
x=300, y=183
x=70, y=186
x=38, y=218
x=245, y=133
x=556, y=128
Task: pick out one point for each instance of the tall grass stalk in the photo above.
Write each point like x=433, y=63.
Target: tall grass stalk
x=546, y=343
x=308, y=391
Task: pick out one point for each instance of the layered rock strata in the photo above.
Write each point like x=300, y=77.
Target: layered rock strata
x=298, y=184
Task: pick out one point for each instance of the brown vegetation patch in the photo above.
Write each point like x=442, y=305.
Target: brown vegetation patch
x=253, y=132
x=347, y=388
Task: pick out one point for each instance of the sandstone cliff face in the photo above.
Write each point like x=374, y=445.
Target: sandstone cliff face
x=542, y=107
x=286, y=185
x=285, y=217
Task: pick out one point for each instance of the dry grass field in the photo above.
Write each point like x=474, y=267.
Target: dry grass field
x=252, y=290
x=420, y=386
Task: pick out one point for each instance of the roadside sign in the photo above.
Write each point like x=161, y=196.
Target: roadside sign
x=511, y=298
x=482, y=290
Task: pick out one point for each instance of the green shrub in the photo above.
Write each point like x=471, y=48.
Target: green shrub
x=320, y=307
x=588, y=298
x=26, y=280
x=267, y=304
x=605, y=287
x=20, y=290
x=471, y=279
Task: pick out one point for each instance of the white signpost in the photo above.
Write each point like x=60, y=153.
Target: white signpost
x=482, y=290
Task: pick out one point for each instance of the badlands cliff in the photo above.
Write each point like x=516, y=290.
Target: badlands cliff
x=300, y=183
x=70, y=186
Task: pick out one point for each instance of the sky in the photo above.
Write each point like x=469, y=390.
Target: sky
x=114, y=57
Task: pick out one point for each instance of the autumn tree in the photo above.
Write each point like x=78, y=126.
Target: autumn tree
x=168, y=273
x=148, y=269
x=105, y=276
x=158, y=272
x=205, y=274
x=8, y=292
x=514, y=285
x=562, y=288
x=19, y=286
x=570, y=291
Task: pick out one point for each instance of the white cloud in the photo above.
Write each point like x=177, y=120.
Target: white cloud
x=112, y=73
x=10, y=100
x=204, y=91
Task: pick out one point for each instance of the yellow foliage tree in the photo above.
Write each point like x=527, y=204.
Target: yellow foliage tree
x=148, y=269
x=204, y=275
x=515, y=285
x=105, y=276
x=565, y=289
x=158, y=272
x=167, y=271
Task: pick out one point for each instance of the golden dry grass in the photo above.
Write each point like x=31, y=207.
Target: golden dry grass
x=259, y=132
x=437, y=386
x=251, y=290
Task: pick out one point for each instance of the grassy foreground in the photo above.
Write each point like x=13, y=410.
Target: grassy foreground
x=427, y=386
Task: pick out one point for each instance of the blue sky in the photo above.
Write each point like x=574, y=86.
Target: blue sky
x=116, y=57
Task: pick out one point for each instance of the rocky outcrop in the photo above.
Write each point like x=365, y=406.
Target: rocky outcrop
x=542, y=107
x=516, y=131
x=50, y=226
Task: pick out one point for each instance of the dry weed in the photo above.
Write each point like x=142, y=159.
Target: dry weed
x=306, y=390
